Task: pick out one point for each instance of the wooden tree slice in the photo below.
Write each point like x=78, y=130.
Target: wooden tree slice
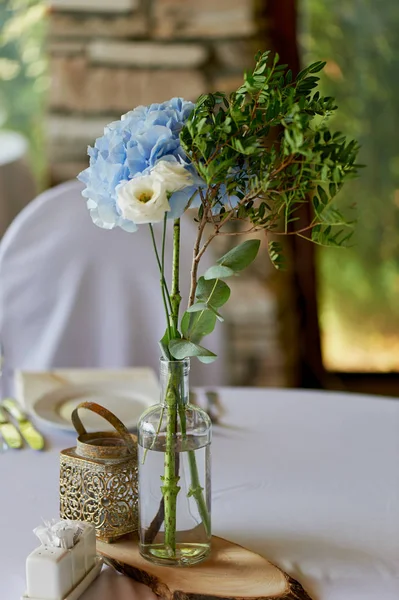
x=231, y=572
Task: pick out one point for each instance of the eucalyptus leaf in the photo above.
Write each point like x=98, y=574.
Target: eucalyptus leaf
x=183, y=348
x=218, y=272
x=241, y=256
x=212, y=291
x=215, y=312
x=195, y=326
x=207, y=359
x=197, y=307
x=185, y=322
x=164, y=345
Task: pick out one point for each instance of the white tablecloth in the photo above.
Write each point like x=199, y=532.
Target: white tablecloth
x=308, y=479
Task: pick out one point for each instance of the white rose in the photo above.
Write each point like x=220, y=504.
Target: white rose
x=173, y=175
x=143, y=200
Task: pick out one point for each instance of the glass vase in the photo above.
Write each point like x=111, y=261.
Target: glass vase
x=174, y=440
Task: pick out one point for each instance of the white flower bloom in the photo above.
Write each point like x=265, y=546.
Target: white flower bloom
x=143, y=199
x=173, y=175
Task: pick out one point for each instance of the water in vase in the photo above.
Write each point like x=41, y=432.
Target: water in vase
x=192, y=459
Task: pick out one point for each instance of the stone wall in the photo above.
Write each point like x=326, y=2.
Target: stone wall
x=108, y=56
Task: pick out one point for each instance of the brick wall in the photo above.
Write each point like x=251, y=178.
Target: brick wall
x=108, y=56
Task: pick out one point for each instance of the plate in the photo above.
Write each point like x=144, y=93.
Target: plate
x=127, y=403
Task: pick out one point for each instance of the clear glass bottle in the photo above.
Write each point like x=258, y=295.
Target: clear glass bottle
x=174, y=440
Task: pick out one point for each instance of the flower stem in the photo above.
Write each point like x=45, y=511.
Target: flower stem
x=175, y=296
x=196, y=489
x=165, y=220
x=174, y=409
x=170, y=487
x=164, y=287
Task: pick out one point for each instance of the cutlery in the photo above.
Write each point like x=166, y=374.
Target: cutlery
x=214, y=407
x=192, y=397
x=3, y=445
x=32, y=437
x=9, y=432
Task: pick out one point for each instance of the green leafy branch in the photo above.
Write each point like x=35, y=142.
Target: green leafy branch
x=263, y=151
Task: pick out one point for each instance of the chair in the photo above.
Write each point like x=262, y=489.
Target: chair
x=73, y=295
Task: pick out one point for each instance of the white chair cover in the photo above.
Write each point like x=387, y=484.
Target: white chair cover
x=73, y=295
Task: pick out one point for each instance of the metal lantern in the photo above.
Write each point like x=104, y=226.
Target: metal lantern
x=98, y=477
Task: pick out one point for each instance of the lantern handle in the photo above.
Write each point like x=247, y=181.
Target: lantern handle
x=108, y=416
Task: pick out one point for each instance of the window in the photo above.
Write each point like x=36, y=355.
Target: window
x=359, y=287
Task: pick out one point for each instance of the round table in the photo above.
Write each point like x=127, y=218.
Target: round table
x=308, y=479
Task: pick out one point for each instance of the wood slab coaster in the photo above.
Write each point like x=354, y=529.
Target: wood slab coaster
x=230, y=572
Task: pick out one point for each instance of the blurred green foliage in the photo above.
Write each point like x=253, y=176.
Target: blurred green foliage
x=23, y=73
x=360, y=42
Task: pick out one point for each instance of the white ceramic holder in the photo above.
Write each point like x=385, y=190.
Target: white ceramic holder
x=77, y=591
x=54, y=573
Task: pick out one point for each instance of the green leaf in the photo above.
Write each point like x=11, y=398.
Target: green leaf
x=322, y=195
x=197, y=307
x=215, y=312
x=185, y=322
x=239, y=257
x=182, y=348
x=212, y=291
x=218, y=272
x=276, y=255
x=317, y=66
x=207, y=359
x=332, y=188
x=195, y=326
x=164, y=345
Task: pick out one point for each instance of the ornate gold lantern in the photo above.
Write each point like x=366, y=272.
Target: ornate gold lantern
x=98, y=477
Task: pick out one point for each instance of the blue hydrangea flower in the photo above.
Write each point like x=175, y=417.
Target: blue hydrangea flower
x=130, y=147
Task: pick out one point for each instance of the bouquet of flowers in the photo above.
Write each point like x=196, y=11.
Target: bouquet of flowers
x=253, y=156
